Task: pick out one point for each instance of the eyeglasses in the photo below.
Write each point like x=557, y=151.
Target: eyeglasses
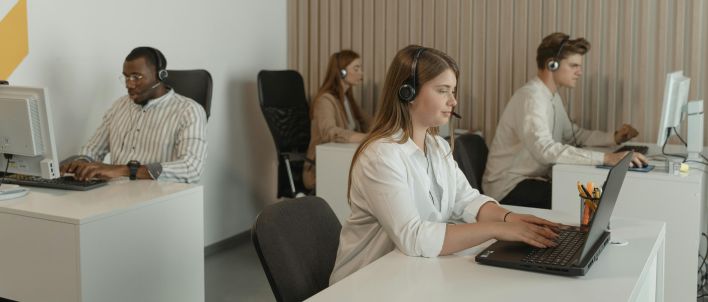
x=132, y=78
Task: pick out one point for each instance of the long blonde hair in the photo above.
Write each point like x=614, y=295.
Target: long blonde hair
x=393, y=114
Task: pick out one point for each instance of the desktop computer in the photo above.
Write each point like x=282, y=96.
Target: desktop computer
x=27, y=145
x=26, y=132
x=675, y=106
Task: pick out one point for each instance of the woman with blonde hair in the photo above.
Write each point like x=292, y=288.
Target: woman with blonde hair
x=405, y=190
x=335, y=114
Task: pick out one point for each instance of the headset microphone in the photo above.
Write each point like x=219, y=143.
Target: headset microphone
x=455, y=114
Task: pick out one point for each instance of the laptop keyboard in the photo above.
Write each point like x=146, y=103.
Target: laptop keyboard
x=634, y=148
x=569, y=242
x=64, y=182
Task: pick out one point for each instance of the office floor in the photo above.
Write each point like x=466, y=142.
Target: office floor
x=235, y=274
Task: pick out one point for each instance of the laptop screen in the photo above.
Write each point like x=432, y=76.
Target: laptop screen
x=611, y=189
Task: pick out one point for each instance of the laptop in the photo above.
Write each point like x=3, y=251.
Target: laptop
x=578, y=248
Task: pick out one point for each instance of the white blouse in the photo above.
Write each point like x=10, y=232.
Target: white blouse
x=392, y=204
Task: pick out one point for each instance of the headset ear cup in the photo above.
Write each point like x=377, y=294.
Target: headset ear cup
x=406, y=93
x=162, y=75
x=553, y=65
x=343, y=73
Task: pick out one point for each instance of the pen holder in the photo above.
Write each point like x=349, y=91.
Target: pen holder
x=588, y=207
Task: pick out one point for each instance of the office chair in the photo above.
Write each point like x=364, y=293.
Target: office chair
x=296, y=241
x=471, y=156
x=195, y=84
x=282, y=98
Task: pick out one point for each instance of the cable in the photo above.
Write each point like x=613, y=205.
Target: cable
x=702, y=276
x=663, y=147
x=8, y=157
x=679, y=136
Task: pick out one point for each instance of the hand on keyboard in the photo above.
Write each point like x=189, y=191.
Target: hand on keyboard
x=529, y=229
x=85, y=171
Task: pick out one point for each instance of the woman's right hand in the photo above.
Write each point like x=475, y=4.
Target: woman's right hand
x=537, y=235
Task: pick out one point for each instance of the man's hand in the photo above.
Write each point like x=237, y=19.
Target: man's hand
x=638, y=160
x=625, y=133
x=84, y=171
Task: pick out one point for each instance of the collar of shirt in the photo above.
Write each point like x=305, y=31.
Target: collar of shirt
x=409, y=147
x=157, y=101
x=543, y=90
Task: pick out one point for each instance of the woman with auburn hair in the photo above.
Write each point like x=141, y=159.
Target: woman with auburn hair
x=335, y=114
x=405, y=190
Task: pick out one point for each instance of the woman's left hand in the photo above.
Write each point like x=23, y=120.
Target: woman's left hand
x=516, y=217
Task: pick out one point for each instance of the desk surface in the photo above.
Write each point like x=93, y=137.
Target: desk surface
x=78, y=207
x=615, y=277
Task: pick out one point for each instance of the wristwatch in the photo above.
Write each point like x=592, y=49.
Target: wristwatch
x=133, y=166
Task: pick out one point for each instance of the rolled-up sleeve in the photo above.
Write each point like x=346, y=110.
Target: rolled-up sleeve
x=381, y=181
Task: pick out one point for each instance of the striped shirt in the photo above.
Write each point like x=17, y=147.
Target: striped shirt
x=168, y=135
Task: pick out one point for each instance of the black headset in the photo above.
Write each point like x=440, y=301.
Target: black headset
x=407, y=91
x=342, y=71
x=554, y=63
x=161, y=71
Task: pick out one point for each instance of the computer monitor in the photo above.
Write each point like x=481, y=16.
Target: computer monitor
x=26, y=132
x=675, y=100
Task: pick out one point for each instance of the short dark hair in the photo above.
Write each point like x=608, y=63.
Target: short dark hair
x=150, y=55
x=551, y=44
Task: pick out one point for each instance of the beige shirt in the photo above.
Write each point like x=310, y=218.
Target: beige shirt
x=534, y=133
x=329, y=124
x=392, y=204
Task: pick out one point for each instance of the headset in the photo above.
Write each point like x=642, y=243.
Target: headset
x=554, y=63
x=342, y=71
x=161, y=71
x=407, y=91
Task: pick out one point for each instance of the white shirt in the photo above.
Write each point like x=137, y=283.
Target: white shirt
x=351, y=123
x=392, y=206
x=169, y=133
x=534, y=132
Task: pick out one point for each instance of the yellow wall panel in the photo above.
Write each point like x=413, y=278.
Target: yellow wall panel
x=14, y=44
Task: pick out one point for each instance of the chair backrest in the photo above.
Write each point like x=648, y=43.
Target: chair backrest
x=471, y=156
x=194, y=84
x=296, y=241
x=282, y=97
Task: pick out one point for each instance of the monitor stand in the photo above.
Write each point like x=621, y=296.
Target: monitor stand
x=9, y=191
x=694, y=144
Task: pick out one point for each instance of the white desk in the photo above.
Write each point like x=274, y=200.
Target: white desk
x=623, y=273
x=333, y=163
x=128, y=241
x=680, y=201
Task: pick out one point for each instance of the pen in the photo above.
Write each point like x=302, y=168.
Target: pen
x=583, y=192
x=590, y=188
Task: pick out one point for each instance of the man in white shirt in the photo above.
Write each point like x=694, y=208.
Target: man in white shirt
x=151, y=133
x=535, y=131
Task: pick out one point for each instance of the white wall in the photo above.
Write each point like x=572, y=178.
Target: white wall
x=77, y=49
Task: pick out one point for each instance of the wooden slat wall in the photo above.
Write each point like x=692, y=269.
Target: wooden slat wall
x=634, y=44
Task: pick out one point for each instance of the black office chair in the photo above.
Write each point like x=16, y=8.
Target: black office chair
x=296, y=241
x=194, y=84
x=471, y=156
x=282, y=98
